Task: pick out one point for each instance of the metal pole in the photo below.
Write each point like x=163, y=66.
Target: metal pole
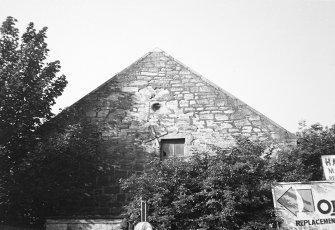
x=145, y=211
x=141, y=210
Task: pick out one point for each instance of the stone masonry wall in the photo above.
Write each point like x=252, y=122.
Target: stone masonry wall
x=190, y=107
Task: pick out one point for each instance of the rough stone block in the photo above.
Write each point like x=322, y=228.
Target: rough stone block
x=207, y=95
x=247, y=129
x=188, y=85
x=173, y=103
x=205, y=89
x=149, y=73
x=188, y=96
x=138, y=83
x=241, y=123
x=185, y=71
x=103, y=113
x=220, y=102
x=257, y=123
x=183, y=103
x=275, y=136
x=204, y=131
x=91, y=113
x=212, y=108
x=203, y=101
x=187, y=110
x=129, y=89
x=233, y=130
x=172, y=129
x=206, y=116
x=179, y=96
x=199, y=124
x=226, y=126
x=188, y=76
x=195, y=80
x=112, y=97
x=221, y=117
x=174, y=89
x=194, y=89
x=229, y=111
x=212, y=124
x=189, y=114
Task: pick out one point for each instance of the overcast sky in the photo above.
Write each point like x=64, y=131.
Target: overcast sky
x=278, y=56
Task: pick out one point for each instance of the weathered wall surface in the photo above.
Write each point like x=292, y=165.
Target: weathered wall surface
x=190, y=107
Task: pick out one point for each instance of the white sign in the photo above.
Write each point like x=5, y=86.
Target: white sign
x=305, y=205
x=328, y=163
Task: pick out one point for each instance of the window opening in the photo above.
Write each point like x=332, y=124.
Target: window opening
x=172, y=148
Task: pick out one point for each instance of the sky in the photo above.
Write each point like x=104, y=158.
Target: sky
x=278, y=56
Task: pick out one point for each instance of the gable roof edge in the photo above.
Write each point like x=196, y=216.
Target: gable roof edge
x=105, y=83
x=156, y=50
x=290, y=135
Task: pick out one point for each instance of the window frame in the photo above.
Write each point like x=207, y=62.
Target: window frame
x=175, y=142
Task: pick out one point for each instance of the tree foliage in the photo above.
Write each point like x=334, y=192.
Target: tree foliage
x=29, y=86
x=226, y=189
x=303, y=162
x=230, y=189
x=56, y=178
x=28, y=83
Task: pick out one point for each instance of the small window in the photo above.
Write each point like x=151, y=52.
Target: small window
x=172, y=148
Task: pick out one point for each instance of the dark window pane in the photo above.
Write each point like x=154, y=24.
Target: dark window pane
x=167, y=150
x=174, y=141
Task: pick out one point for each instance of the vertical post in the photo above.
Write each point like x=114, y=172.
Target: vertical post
x=143, y=210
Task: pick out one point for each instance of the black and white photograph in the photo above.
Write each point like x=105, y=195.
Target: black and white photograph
x=167, y=115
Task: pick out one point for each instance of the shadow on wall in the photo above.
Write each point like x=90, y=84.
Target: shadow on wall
x=110, y=124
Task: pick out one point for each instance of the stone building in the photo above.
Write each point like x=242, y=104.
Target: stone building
x=159, y=105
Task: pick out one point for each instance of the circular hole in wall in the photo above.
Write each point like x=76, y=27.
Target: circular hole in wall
x=155, y=106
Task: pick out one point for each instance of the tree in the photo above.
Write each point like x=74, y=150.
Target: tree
x=226, y=189
x=56, y=178
x=29, y=86
x=230, y=189
x=303, y=162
